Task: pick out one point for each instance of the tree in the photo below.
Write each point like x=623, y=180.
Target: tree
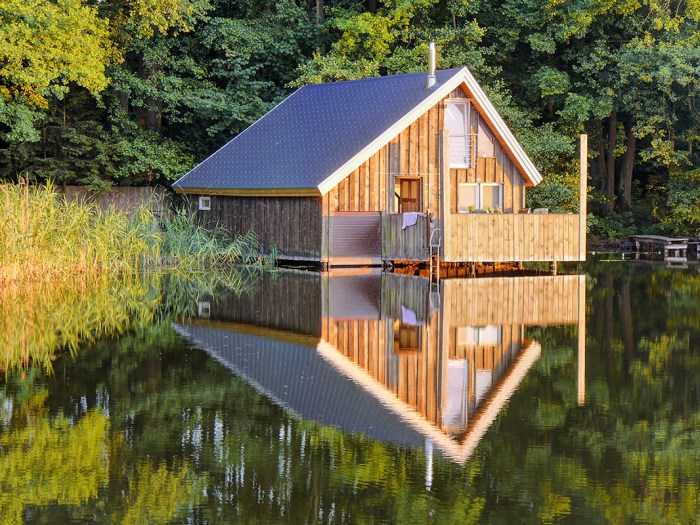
x=44, y=48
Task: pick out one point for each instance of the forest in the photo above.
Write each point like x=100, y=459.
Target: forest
x=136, y=92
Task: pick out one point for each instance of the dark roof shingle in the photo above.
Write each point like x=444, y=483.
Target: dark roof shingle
x=311, y=134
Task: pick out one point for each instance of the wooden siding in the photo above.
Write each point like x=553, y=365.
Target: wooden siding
x=286, y=301
x=404, y=244
x=291, y=224
x=413, y=152
x=501, y=237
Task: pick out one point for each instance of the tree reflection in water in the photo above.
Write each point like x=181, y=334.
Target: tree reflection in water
x=148, y=428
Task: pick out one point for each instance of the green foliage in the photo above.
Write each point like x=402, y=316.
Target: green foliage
x=684, y=203
x=189, y=244
x=44, y=46
x=559, y=194
x=611, y=227
x=40, y=457
x=145, y=156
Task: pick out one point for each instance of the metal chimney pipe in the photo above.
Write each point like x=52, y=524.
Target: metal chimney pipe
x=431, y=67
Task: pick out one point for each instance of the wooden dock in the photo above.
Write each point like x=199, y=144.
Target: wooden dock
x=673, y=247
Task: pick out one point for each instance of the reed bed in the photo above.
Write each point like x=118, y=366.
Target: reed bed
x=45, y=238
x=70, y=272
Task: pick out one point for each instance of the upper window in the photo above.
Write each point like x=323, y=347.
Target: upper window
x=486, y=146
x=457, y=125
x=479, y=196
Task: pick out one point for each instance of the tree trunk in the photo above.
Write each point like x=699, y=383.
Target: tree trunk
x=610, y=168
x=600, y=164
x=320, y=13
x=628, y=162
x=371, y=6
x=626, y=328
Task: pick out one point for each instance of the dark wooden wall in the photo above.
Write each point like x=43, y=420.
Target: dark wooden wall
x=292, y=224
x=288, y=301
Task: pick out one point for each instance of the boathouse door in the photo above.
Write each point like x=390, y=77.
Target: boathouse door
x=356, y=238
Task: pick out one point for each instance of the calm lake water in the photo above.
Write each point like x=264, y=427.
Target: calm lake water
x=302, y=398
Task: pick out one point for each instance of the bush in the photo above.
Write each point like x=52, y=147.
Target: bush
x=612, y=227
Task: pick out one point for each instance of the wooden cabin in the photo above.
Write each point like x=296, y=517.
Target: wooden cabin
x=388, y=355
x=384, y=169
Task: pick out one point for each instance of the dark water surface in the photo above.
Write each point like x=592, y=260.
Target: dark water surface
x=374, y=399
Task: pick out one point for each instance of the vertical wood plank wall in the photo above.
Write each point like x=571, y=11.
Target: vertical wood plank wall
x=416, y=152
x=270, y=305
x=292, y=224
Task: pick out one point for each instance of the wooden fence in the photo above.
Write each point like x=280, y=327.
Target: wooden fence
x=541, y=300
x=500, y=237
x=404, y=244
x=127, y=199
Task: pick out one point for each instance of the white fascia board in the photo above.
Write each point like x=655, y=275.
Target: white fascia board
x=373, y=147
x=458, y=452
x=526, y=165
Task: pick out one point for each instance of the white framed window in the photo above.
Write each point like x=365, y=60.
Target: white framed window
x=479, y=196
x=204, y=202
x=457, y=125
x=204, y=309
x=479, y=335
x=486, y=146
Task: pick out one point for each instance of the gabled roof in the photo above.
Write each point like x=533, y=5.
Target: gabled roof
x=322, y=132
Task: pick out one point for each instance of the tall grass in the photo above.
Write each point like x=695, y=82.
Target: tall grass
x=43, y=237
x=70, y=272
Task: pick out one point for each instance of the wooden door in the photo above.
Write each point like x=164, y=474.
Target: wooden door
x=409, y=194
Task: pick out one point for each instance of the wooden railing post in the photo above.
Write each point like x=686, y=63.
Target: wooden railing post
x=583, y=198
x=445, y=191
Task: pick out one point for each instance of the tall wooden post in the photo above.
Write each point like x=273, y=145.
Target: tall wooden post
x=583, y=198
x=582, y=340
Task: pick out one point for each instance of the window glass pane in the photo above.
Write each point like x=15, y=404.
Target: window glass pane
x=491, y=196
x=467, y=197
x=456, y=118
x=485, y=142
x=490, y=335
x=457, y=124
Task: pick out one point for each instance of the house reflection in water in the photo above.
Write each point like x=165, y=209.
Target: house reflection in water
x=386, y=355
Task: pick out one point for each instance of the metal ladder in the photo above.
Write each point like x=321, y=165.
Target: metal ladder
x=434, y=251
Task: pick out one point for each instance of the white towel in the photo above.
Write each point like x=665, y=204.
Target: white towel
x=410, y=218
x=408, y=316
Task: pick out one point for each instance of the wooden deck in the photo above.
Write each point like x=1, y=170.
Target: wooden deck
x=494, y=237
x=405, y=244
x=673, y=247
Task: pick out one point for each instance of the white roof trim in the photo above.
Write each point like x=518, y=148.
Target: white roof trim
x=463, y=76
x=441, y=91
x=458, y=452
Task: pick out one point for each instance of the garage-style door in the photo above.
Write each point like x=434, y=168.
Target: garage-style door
x=356, y=235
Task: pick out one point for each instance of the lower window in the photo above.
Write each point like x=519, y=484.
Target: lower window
x=479, y=196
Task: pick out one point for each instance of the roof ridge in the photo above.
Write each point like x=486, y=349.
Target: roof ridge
x=379, y=77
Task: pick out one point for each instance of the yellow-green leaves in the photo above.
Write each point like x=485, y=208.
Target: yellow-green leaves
x=45, y=46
